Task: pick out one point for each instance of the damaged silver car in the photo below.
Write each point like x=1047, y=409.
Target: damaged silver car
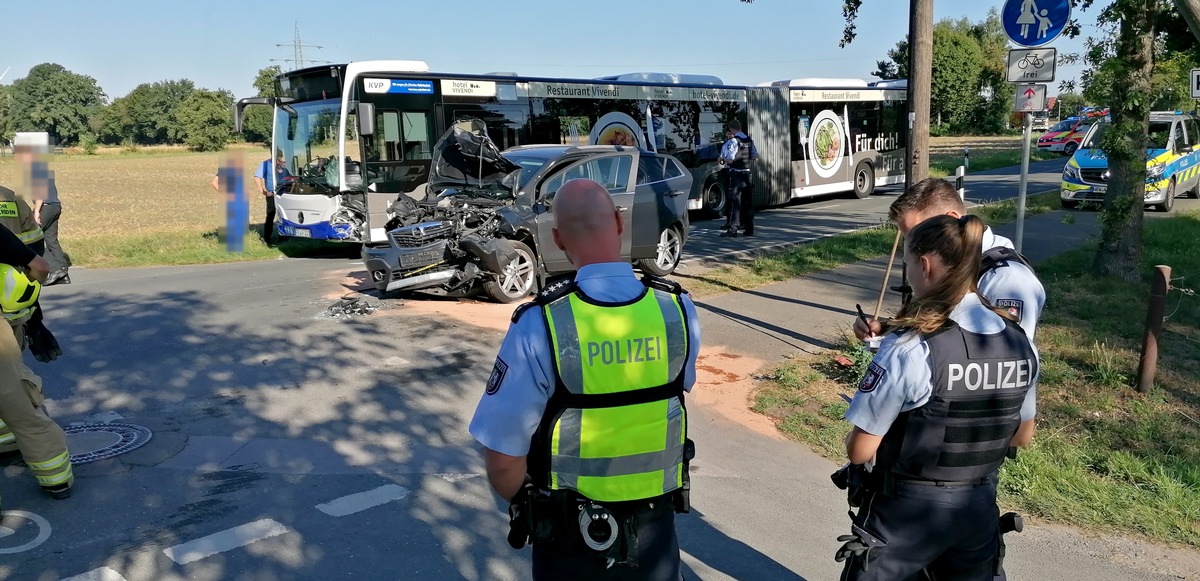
x=485, y=224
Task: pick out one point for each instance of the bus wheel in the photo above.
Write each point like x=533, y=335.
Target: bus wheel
x=864, y=180
x=713, y=197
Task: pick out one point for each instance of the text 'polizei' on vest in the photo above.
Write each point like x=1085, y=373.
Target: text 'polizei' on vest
x=636, y=350
x=996, y=375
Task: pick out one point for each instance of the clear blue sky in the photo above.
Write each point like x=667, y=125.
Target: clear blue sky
x=222, y=43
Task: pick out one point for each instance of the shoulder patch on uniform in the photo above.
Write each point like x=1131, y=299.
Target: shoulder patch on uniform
x=1013, y=306
x=497, y=377
x=871, y=380
x=555, y=288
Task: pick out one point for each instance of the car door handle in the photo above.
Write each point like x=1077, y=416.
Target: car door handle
x=675, y=193
x=622, y=209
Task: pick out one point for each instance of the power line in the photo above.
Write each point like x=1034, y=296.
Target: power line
x=298, y=47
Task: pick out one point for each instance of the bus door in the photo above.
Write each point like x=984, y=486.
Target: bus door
x=398, y=160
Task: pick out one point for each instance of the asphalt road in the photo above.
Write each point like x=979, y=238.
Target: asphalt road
x=291, y=445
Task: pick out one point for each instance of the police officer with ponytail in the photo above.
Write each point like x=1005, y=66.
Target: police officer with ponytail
x=950, y=390
x=583, y=419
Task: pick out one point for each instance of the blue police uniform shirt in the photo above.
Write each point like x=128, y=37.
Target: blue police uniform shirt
x=1013, y=287
x=264, y=170
x=906, y=381
x=507, y=417
x=730, y=149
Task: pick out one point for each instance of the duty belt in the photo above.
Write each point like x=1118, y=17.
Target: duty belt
x=922, y=482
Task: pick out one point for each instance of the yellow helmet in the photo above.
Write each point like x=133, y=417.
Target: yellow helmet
x=19, y=292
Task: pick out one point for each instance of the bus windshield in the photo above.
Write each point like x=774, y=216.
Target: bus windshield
x=306, y=136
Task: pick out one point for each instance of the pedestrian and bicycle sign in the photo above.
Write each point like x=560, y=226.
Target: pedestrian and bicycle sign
x=1196, y=83
x=1031, y=65
x=1034, y=23
x=1030, y=98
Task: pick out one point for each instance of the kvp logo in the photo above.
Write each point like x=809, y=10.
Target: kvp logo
x=377, y=85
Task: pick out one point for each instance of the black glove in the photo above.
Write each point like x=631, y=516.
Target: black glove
x=853, y=547
x=42, y=344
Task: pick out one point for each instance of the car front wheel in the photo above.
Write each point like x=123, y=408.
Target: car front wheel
x=516, y=280
x=1168, y=203
x=1069, y=150
x=666, y=257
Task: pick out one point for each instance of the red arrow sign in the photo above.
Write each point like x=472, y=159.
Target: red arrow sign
x=1030, y=92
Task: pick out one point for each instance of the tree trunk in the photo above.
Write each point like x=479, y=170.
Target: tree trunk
x=920, y=86
x=1190, y=9
x=1120, y=251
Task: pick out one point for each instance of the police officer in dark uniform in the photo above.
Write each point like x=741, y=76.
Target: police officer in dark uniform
x=949, y=393
x=736, y=155
x=583, y=419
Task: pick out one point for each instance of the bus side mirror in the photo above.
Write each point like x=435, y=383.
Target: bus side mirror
x=366, y=119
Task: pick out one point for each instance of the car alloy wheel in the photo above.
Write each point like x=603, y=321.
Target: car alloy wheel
x=666, y=255
x=516, y=279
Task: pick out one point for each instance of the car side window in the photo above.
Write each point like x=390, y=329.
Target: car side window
x=1179, y=138
x=610, y=172
x=650, y=170
x=672, y=169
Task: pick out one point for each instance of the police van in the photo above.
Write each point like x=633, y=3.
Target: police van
x=1172, y=163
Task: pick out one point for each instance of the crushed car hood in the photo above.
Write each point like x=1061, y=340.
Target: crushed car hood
x=465, y=158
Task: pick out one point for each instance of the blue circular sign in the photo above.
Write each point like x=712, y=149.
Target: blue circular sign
x=1035, y=22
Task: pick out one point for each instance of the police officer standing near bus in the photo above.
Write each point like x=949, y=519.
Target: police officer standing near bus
x=737, y=154
x=951, y=389
x=583, y=419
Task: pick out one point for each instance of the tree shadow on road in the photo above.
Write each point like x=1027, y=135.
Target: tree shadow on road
x=265, y=416
x=717, y=552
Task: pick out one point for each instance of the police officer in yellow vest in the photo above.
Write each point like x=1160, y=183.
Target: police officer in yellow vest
x=17, y=217
x=583, y=419
x=24, y=424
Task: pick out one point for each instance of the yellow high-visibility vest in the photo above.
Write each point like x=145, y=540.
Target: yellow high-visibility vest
x=616, y=425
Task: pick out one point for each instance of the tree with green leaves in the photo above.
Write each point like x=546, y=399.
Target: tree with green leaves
x=6, y=132
x=146, y=116
x=256, y=127
x=55, y=100
x=957, y=67
x=204, y=119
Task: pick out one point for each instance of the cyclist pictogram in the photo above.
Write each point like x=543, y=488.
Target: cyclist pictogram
x=1031, y=60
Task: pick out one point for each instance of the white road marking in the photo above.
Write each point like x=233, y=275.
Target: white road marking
x=43, y=533
x=101, y=574
x=225, y=540
x=395, y=361
x=361, y=501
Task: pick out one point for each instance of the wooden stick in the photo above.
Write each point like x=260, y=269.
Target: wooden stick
x=887, y=274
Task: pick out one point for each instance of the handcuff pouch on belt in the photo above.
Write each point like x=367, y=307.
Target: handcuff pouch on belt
x=537, y=517
x=859, y=482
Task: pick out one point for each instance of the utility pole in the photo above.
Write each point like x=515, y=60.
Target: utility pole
x=298, y=51
x=920, y=85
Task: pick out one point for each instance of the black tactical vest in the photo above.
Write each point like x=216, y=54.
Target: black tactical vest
x=742, y=159
x=963, y=432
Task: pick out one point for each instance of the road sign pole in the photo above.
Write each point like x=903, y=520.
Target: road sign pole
x=1024, y=181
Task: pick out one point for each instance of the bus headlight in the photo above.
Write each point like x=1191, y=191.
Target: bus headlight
x=1155, y=173
x=1071, y=173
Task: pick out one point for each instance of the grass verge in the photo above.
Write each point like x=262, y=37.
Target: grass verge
x=1105, y=456
x=835, y=251
x=179, y=248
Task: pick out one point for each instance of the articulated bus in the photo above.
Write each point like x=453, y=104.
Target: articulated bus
x=814, y=136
